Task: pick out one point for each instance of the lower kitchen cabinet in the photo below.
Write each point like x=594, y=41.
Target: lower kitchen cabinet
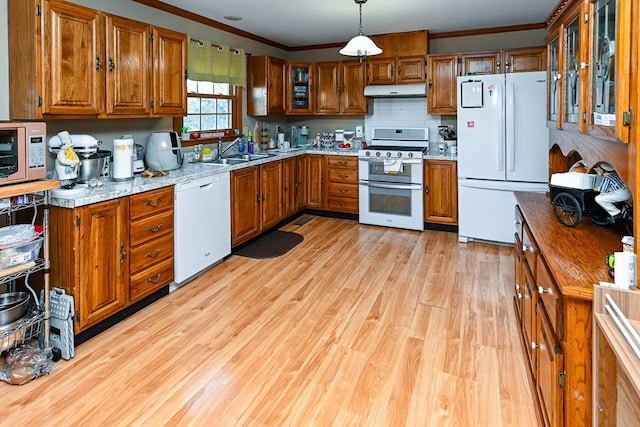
x=256, y=200
x=301, y=182
x=292, y=196
x=342, y=188
x=316, y=172
x=555, y=270
x=110, y=254
x=441, y=192
x=88, y=258
x=150, y=242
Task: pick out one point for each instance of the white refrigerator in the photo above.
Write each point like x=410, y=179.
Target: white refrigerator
x=503, y=146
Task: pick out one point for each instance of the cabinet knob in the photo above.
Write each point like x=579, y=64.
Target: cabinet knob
x=112, y=65
x=534, y=345
x=426, y=189
x=98, y=63
x=542, y=290
x=517, y=286
x=524, y=248
x=520, y=296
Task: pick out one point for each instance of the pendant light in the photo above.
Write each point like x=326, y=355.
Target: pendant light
x=360, y=45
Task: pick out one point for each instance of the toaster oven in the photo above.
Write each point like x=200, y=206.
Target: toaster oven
x=22, y=152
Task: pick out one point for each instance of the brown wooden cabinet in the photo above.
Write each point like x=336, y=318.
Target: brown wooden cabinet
x=89, y=258
x=590, y=68
x=257, y=202
x=150, y=242
x=111, y=254
x=245, y=204
x=340, y=88
x=556, y=322
x=128, y=66
x=265, y=85
x=342, y=185
x=289, y=186
x=301, y=182
x=316, y=173
x=441, y=191
x=402, y=60
x=442, y=70
x=169, y=75
x=70, y=61
x=300, y=93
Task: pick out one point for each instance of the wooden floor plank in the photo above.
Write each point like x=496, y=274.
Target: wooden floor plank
x=356, y=326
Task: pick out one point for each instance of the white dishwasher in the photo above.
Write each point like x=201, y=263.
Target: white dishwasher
x=202, y=233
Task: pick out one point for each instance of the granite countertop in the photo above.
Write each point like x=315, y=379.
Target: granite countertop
x=82, y=196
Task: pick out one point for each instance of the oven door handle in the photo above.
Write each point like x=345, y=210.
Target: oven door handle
x=392, y=186
x=403, y=161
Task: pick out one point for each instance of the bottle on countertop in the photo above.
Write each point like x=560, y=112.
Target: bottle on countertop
x=241, y=145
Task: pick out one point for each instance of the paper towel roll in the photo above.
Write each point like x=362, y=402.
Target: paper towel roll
x=123, y=159
x=625, y=270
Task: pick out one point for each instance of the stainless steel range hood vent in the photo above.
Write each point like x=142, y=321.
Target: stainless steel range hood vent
x=397, y=91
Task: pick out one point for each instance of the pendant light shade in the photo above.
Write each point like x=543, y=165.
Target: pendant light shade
x=360, y=45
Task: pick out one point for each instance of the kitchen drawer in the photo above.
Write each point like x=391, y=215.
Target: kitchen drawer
x=343, y=204
x=154, y=226
x=150, y=253
x=343, y=162
x=549, y=293
x=343, y=190
x=150, y=202
x=343, y=175
x=150, y=280
x=529, y=248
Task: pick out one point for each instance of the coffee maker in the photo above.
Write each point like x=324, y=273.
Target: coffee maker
x=303, y=135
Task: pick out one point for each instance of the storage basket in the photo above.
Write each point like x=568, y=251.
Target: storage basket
x=20, y=254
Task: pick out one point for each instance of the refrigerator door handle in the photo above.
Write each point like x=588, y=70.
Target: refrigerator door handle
x=511, y=126
x=499, y=140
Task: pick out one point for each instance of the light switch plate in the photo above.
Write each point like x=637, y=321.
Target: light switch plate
x=358, y=131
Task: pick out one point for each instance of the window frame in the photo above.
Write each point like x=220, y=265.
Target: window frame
x=236, y=118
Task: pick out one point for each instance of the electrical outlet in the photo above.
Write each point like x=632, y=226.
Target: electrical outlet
x=245, y=130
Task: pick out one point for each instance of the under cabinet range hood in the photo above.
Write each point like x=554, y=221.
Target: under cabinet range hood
x=396, y=91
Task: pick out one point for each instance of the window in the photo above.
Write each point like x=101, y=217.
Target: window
x=210, y=106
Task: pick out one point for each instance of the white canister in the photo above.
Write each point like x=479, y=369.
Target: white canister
x=123, y=158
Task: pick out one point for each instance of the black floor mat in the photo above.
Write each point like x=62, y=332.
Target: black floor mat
x=303, y=220
x=271, y=245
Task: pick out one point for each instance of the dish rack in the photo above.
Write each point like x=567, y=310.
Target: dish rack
x=17, y=198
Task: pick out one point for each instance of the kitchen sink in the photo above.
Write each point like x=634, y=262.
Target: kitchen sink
x=227, y=161
x=248, y=157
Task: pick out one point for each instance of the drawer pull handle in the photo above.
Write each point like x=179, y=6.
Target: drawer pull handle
x=152, y=280
x=154, y=205
x=343, y=176
x=150, y=255
x=342, y=163
x=123, y=252
x=534, y=345
x=154, y=229
x=542, y=290
x=342, y=190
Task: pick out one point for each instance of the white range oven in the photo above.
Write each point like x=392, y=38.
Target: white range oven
x=391, y=178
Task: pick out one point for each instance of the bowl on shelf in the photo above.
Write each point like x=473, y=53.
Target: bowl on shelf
x=13, y=306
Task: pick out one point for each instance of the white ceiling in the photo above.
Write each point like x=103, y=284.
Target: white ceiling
x=309, y=22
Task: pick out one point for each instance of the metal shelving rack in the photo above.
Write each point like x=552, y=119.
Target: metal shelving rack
x=38, y=318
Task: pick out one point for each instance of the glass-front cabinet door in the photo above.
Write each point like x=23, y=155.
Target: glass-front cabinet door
x=603, y=79
x=299, y=88
x=554, y=79
x=572, y=72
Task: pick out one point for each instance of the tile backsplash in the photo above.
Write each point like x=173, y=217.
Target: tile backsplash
x=401, y=112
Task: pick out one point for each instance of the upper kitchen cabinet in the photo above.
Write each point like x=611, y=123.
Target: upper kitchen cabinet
x=70, y=61
x=169, y=77
x=444, y=69
x=340, y=88
x=503, y=61
x=589, y=67
x=402, y=60
x=299, y=90
x=265, y=85
x=443, y=72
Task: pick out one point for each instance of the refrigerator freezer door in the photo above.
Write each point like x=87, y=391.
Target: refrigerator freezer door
x=481, y=152
x=527, y=136
x=485, y=209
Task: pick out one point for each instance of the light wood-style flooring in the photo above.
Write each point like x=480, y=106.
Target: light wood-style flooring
x=356, y=326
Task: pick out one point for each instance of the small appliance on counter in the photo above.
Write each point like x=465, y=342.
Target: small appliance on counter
x=293, y=139
x=123, y=158
x=93, y=161
x=164, y=151
x=138, y=159
x=303, y=135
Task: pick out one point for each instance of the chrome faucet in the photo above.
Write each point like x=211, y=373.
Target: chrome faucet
x=221, y=150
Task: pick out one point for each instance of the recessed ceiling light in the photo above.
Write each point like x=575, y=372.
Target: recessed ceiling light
x=233, y=18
